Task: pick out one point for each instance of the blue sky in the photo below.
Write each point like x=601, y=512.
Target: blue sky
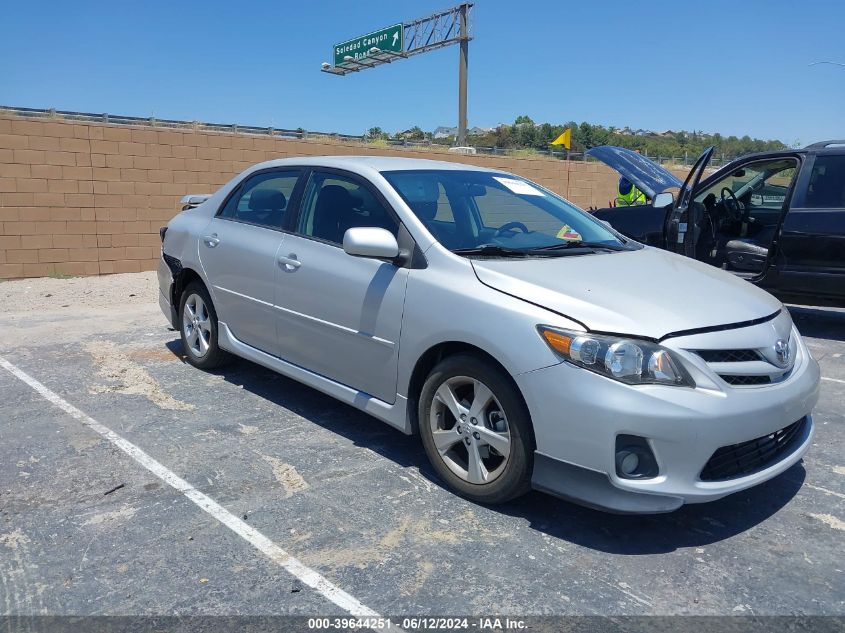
x=736, y=67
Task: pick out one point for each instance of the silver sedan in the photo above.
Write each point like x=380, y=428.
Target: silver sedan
x=525, y=342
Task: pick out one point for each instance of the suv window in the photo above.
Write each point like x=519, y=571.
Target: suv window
x=759, y=185
x=262, y=199
x=333, y=203
x=827, y=183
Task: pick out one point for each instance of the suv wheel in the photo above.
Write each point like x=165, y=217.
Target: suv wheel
x=476, y=430
x=199, y=328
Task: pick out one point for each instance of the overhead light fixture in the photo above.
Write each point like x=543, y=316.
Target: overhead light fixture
x=374, y=50
x=325, y=65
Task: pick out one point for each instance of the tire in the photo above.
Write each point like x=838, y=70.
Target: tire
x=465, y=377
x=197, y=316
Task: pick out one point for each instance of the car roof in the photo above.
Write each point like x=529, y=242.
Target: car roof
x=374, y=163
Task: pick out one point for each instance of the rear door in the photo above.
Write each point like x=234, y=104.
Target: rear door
x=238, y=254
x=812, y=243
x=682, y=221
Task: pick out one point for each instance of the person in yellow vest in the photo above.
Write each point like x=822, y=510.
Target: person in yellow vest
x=627, y=195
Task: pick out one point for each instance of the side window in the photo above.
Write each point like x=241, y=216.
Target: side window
x=332, y=204
x=761, y=185
x=827, y=183
x=262, y=199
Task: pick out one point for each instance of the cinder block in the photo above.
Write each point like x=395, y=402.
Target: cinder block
x=74, y=145
x=80, y=131
x=71, y=268
x=22, y=256
x=49, y=199
x=63, y=186
x=119, y=160
x=104, y=147
x=132, y=149
x=11, y=271
x=27, y=128
x=9, y=185
x=19, y=228
x=48, y=143
x=14, y=141
x=83, y=255
x=52, y=255
x=117, y=133
x=139, y=252
x=144, y=136
x=66, y=241
x=106, y=173
x=10, y=241
x=145, y=162
x=81, y=200
x=46, y=171
x=36, y=242
x=30, y=156
x=15, y=170
x=125, y=239
x=60, y=158
x=81, y=228
x=59, y=129
x=121, y=187
x=76, y=173
x=112, y=253
x=127, y=266
x=98, y=160
x=34, y=185
x=39, y=270
x=184, y=151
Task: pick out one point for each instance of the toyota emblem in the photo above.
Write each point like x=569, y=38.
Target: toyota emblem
x=783, y=353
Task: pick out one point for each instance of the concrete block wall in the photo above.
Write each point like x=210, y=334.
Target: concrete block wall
x=81, y=198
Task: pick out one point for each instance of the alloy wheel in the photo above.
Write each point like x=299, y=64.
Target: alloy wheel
x=470, y=430
x=196, y=325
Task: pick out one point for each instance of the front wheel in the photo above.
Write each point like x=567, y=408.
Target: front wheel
x=199, y=328
x=476, y=430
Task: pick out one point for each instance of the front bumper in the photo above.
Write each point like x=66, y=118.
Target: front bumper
x=578, y=414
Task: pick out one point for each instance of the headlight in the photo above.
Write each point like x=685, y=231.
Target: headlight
x=631, y=361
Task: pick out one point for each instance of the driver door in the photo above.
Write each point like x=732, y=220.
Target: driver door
x=683, y=224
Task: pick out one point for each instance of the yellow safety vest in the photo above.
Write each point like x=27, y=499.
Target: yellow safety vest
x=630, y=199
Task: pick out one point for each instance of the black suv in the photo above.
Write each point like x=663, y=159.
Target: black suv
x=774, y=218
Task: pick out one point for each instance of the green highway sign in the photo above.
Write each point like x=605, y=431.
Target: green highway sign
x=391, y=38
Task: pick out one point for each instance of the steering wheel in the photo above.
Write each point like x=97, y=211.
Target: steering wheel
x=730, y=203
x=510, y=226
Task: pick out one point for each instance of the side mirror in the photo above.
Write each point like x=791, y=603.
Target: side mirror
x=370, y=241
x=663, y=200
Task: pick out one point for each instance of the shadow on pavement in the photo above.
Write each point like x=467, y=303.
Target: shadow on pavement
x=690, y=526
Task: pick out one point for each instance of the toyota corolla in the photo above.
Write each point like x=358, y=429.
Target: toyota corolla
x=525, y=342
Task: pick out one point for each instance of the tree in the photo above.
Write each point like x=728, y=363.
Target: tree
x=377, y=134
x=523, y=119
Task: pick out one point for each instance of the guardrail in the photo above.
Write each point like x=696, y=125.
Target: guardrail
x=302, y=134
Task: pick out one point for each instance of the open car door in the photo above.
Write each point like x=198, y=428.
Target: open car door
x=683, y=219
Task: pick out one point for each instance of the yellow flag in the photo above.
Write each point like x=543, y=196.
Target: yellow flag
x=564, y=139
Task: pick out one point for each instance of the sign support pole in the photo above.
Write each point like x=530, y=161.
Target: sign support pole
x=463, y=60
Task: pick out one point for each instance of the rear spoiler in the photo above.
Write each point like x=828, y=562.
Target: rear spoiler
x=193, y=200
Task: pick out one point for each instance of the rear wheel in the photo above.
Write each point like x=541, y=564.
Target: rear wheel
x=199, y=328
x=476, y=430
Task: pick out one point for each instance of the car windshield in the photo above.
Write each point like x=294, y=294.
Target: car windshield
x=480, y=212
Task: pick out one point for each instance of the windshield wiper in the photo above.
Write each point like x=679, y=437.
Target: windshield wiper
x=492, y=249
x=581, y=244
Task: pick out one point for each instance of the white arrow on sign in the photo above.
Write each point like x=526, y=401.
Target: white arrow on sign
x=395, y=37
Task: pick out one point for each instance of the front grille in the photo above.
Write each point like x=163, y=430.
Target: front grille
x=728, y=355
x=746, y=458
x=745, y=381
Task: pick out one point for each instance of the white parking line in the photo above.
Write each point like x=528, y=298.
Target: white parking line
x=842, y=382
x=255, y=538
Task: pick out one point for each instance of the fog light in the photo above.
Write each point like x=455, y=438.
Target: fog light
x=628, y=462
x=634, y=458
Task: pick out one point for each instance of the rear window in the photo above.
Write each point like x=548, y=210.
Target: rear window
x=827, y=183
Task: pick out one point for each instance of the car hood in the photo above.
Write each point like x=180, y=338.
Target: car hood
x=648, y=176
x=647, y=292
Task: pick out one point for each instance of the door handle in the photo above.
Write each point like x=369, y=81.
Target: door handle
x=290, y=262
x=211, y=240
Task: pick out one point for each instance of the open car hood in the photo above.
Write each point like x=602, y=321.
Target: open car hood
x=647, y=292
x=647, y=176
